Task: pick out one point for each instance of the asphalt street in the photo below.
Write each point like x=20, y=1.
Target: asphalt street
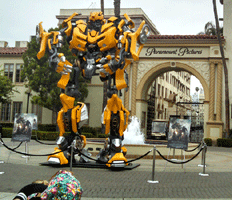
x=175, y=181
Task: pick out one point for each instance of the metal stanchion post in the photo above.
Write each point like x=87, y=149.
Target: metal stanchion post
x=153, y=168
x=204, y=157
x=26, y=151
x=174, y=154
x=71, y=160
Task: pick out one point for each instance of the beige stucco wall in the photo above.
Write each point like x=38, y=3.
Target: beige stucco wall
x=95, y=99
x=227, y=32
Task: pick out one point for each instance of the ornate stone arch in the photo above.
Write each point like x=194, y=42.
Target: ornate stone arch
x=148, y=77
x=208, y=73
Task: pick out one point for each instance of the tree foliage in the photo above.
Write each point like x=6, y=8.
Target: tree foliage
x=6, y=89
x=43, y=79
x=210, y=29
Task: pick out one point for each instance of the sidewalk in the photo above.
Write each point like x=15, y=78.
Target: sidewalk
x=175, y=182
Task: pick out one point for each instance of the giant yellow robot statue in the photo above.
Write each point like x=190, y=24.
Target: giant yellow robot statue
x=97, y=45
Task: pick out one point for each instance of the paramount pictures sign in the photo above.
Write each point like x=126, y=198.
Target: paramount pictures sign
x=179, y=52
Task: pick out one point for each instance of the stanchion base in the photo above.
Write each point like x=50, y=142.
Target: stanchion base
x=2, y=173
x=150, y=181
x=26, y=156
x=201, y=165
x=201, y=174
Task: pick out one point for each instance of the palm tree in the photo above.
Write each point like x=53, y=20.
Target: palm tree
x=227, y=100
x=210, y=29
x=117, y=8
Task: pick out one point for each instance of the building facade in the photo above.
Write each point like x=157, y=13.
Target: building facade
x=11, y=64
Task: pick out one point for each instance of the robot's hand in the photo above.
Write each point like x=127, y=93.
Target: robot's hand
x=145, y=32
x=63, y=67
x=120, y=62
x=139, y=36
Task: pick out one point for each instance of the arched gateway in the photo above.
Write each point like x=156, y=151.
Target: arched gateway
x=198, y=55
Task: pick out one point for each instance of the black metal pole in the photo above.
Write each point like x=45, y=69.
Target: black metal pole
x=28, y=97
x=153, y=168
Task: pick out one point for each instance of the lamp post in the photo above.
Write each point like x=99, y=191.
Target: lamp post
x=28, y=92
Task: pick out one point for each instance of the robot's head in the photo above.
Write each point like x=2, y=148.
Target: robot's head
x=96, y=19
x=94, y=16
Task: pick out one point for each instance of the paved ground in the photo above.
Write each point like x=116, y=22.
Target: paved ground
x=174, y=181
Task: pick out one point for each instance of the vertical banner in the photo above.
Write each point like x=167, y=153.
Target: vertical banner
x=178, y=136
x=23, y=125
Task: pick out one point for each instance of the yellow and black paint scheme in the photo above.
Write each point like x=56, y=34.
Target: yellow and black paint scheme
x=98, y=45
x=114, y=105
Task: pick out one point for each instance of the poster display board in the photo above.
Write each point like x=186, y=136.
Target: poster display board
x=178, y=135
x=23, y=126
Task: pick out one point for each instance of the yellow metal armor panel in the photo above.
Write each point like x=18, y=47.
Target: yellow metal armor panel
x=117, y=157
x=96, y=16
x=106, y=26
x=78, y=40
x=60, y=155
x=67, y=101
x=124, y=150
x=122, y=121
x=84, y=140
x=63, y=81
x=119, y=76
x=107, y=117
x=132, y=25
x=120, y=25
x=134, y=37
x=108, y=39
x=67, y=23
x=114, y=104
x=44, y=39
x=60, y=122
x=74, y=118
x=92, y=39
x=112, y=19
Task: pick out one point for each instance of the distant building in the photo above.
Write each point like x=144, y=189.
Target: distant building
x=11, y=63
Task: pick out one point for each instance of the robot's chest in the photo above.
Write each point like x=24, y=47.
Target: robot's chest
x=104, y=41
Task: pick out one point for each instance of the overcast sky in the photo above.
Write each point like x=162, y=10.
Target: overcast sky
x=18, y=19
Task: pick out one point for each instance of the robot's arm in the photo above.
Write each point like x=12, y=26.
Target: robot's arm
x=129, y=38
x=51, y=42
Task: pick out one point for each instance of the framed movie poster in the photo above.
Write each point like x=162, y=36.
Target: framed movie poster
x=23, y=125
x=178, y=135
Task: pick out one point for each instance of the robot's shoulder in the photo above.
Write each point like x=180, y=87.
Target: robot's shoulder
x=105, y=27
x=81, y=25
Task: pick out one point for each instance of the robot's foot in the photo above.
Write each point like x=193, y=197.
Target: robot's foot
x=84, y=158
x=102, y=156
x=118, y=160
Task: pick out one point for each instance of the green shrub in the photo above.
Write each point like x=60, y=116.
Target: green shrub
x=88, y=135
x=93, y=130
x=102, y=135
x=50, y=135
x=7, y=132
x=224, y=142
x=47, y=127
x=208, y=141
x=7, y=125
